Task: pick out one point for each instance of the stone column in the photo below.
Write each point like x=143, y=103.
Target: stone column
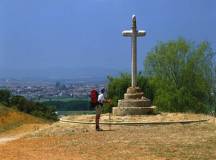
x=133, y=34
x=134, y=54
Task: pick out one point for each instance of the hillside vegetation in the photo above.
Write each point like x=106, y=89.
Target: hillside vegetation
x=27, y=106
x=11, y=118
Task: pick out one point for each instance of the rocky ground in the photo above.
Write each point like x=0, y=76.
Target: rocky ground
x=68, y=141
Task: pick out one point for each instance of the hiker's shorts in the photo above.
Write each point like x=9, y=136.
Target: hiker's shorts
x=98, y=109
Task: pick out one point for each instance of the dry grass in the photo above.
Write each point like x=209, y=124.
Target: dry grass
x=67, y=141
x=10, y=118
x=163, y=117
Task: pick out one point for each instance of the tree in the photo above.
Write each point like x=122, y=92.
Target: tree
x=20, y=102
x=181, y=74
x=34, y=108
x=117, y=86
x=5, y=96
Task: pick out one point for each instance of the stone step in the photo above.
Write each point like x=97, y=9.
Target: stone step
x=134, y=103
x=123, y=111
x=138, y=95
x=134, y=90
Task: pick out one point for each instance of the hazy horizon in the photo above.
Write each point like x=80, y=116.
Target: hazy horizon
x=64, y=39
x=60, y=73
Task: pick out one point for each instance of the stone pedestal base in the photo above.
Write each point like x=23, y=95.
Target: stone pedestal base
x=123, y=111
x=134, y=103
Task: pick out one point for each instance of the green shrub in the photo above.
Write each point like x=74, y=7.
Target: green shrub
x=107, y=108
x=5, y=97
x=181, y=75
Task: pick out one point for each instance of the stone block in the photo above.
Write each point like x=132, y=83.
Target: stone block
x=123, y=111
x=133, y=95
x=134, y=103
x=133, y=90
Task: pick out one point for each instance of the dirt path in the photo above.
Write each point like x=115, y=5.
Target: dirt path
x=20, y=132
x=8, y=139
x=67, y=141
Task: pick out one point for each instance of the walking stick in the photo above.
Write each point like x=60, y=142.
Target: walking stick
x=109, y=121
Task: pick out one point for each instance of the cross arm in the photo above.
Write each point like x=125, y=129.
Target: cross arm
x=141, y=33
x=127, y=33
x=130, y=33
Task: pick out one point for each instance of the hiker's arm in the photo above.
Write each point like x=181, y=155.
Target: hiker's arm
x=108, y=101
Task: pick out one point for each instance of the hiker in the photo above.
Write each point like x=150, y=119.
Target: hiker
x=99, y=108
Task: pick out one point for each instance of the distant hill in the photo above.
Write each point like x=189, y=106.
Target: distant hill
x=10, y=118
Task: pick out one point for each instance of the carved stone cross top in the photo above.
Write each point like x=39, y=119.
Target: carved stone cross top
x=134, y=33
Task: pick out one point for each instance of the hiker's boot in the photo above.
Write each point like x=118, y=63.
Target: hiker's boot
x=99, y=129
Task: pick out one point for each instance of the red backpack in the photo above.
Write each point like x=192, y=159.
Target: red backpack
x=94, y=96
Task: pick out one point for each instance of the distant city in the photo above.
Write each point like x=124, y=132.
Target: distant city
x=51, y=90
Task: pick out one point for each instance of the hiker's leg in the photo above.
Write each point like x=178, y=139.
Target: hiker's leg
x=98, y=113
x=98, y=119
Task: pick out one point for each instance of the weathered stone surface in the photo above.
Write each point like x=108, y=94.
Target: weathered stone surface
x=133, y=95
x=123, y=111
x=134, y=103
x=132, y=90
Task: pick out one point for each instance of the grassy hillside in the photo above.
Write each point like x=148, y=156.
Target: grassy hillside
x=11, y=118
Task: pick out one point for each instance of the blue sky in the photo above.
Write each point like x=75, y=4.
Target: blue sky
x=41, y=36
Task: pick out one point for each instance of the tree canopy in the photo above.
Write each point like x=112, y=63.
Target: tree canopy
x=182, y=74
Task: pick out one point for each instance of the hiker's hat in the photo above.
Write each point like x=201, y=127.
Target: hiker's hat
x=102, y=90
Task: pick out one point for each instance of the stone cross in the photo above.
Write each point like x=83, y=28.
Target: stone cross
x=134, y=33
